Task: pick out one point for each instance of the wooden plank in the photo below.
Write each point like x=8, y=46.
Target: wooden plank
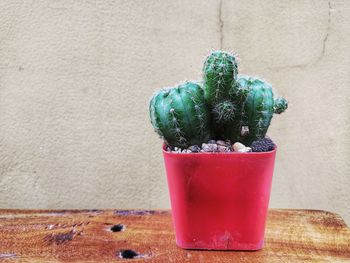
x=85, y=236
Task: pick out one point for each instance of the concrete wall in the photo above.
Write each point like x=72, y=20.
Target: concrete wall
x=76, y=76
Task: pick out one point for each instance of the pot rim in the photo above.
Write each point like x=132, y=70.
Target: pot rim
x=218, y=153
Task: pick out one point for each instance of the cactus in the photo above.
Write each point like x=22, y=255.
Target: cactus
x=227, y=108
x=222, y=92
x=258, y=108
x=180, y=115
x=219, y=72
x=280, y=105
x=224, y=112
x=255, y=106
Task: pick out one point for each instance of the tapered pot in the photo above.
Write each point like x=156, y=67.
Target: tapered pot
x=219, y=201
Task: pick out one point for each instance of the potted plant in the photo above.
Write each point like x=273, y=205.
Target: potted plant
x=218, y=160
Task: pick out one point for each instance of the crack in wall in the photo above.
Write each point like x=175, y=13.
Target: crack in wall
x=327, y=31
x=221, y=24
x=324, y=46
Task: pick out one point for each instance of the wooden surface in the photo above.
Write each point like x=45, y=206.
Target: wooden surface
x=85, y=236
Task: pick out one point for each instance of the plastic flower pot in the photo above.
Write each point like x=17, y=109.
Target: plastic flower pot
x=219, y=201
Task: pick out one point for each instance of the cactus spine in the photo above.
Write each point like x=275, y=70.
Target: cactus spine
x=180, y=115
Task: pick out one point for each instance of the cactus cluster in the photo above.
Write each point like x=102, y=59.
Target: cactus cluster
x=225, y=106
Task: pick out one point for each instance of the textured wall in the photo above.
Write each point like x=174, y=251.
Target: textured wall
x=75, y=78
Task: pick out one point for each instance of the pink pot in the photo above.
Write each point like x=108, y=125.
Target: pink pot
x=219, y=201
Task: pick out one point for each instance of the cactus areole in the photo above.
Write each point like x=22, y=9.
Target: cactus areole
x=225, y=106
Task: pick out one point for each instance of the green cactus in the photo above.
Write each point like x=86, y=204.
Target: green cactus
x=258, y=108
x=219, y=72
x=280, y=105
x=255, y=106
x=180, y=115
x=226, y=108
x=224, y=112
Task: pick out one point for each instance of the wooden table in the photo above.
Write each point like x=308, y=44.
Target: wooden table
x=148, y=236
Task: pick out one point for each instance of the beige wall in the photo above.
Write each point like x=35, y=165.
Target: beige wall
x=75, y=78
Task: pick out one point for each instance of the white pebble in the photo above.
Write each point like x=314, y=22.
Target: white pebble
x=245, y=150
x=237, y=147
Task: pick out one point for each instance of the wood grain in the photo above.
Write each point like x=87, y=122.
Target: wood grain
x=86, y=236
